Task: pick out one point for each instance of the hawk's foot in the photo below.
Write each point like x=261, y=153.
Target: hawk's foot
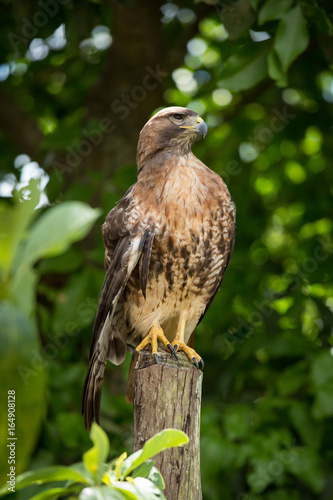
x=155, y=335
x=190, y=353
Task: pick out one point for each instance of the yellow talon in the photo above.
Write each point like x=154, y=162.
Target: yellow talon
x=155, y=335
x=190, y=353
x=178, y=344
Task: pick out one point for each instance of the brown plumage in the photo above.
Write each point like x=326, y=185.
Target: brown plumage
x=167, y=245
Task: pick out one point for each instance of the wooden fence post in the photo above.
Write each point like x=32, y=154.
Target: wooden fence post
x=168, y=395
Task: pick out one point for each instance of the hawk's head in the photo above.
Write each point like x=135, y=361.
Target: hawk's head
x=172, y=130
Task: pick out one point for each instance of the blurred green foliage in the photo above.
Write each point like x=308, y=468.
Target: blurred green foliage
x=22, y=244
x=260, y=73
x=124, y=478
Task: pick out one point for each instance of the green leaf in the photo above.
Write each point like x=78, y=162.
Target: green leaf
x=323, y=404
x=91, y=461
x=101, y=441
x=118, y=464
x=22, y=289
x=147, y=489
x=156, y=477
x=246, y=68
x=14, y=222
x=291, y=37
x=322, y=369
x=291, y=379
x=101, y=493
x=95, y=457
x=48, y=475
x=320, y=15
x=22, y=368
x=275, y=70
x=53, y=493
x=238, y=18
x=307, y=428
x=128, y=490
x=58, y=228
x=144, y=469
x=161, y=441
x=139, y=489
x=80, y=468
x=272, y=10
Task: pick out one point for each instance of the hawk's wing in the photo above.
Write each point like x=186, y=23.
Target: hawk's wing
x=220, y=277
x=125, y=244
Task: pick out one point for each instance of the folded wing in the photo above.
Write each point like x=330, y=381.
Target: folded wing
x=109, y=340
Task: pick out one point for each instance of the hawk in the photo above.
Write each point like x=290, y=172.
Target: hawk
x=168, y=243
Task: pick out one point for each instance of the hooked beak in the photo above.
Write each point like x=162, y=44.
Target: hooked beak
x=199, y=128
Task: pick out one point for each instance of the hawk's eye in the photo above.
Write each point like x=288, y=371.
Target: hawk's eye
x=177, y=117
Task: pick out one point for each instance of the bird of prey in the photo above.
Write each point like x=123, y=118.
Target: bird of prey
x=167, y=246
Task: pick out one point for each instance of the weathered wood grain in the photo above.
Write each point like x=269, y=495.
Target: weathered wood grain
x=168, y=395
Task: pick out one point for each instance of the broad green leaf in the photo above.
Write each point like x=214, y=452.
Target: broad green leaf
x=109, y=476
x=275, y=69
x=139, y=489
x=54, y=493
x=22, y=368
x=322, y=369
x=161, y=441
x=144, y=469
x=101, y=441
x=14, y=222
x=95, y=457
x=272, y=10
x=22, y=290
x=323, y=404
x=147, y=489
x=57, y=228
x=81, y=469
x=90, y=460
x=101, y=493
x=156, y=477
x=291, y=37
x=128, y=490
x=238, y=19
x=168, y=438
x=48, y=475
x=246, y=68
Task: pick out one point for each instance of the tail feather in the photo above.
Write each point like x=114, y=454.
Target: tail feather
x=92, y=389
